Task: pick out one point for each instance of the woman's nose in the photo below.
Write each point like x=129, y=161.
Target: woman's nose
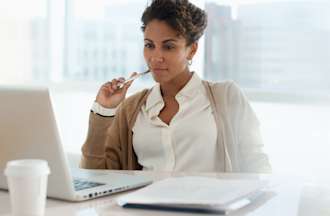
x=156, y=59
x=157, y=56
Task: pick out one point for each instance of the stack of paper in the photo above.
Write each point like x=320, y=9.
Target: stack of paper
x=195, y=193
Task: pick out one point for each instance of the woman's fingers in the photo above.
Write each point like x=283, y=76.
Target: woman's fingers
x=114, y=84
x=121, y=79
x=117, y=84
x=128, y=84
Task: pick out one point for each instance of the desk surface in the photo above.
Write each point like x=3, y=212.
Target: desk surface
x=288, y=197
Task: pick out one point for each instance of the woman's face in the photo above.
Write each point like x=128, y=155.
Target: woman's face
x=165, y=52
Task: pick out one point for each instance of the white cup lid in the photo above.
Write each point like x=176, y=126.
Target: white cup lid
x=27, y=167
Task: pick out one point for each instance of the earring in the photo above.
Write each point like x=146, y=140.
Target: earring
x=190, y=62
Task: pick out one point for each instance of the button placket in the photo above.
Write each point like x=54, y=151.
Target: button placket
x=167, y=144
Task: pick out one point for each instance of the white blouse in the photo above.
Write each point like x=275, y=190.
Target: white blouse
x=188, y=143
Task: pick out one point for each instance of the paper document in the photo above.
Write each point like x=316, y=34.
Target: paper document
x=195, y=193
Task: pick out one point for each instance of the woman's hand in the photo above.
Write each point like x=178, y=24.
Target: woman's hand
x=110, y=95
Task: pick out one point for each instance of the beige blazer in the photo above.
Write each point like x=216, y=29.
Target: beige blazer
x=109, y=139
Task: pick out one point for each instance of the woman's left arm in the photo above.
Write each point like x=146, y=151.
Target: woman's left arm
x=247, y=129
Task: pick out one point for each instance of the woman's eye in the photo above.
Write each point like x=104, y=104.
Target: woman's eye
x=148, y=45
x=168, y=47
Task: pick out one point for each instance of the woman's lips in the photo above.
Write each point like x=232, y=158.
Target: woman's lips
x=158, y=70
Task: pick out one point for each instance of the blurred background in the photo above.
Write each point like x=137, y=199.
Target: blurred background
x=278, y=51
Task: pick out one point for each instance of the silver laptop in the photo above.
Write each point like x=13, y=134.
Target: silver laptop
x=28, y=130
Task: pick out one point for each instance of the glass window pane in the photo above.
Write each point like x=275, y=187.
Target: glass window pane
x=24, y=39
x=105, y=42
x=270, y=45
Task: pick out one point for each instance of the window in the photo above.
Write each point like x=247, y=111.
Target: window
x=278, y=46
x=105, y=42
x=24, y=41
x=278, y=51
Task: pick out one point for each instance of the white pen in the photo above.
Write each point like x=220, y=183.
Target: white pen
x=133, y=78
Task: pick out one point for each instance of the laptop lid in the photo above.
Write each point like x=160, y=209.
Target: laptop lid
x=28, y=130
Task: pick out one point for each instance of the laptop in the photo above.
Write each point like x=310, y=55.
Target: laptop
x=28, y=130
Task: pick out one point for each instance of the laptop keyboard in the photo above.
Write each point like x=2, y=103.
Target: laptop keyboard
x=81, y=184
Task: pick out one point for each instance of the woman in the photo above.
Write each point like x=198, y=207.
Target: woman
x=181, y=124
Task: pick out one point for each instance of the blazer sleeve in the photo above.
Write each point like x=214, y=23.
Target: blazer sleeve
x=247, y=129
x=93, y=150
x=102, y=134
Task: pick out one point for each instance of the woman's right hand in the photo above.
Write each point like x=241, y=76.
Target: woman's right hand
x=110, y=95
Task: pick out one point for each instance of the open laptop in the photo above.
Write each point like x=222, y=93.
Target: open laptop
x=28, y=130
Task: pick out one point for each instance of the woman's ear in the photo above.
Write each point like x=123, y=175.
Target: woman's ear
x=193, y=50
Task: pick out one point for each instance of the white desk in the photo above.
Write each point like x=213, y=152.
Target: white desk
x=289, y=198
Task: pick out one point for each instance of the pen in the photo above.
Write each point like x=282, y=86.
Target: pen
x=133, y=78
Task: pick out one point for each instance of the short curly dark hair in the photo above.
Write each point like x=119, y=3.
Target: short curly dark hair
x=184, y=17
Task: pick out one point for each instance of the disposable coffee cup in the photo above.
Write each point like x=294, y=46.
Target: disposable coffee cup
x=27, y=183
